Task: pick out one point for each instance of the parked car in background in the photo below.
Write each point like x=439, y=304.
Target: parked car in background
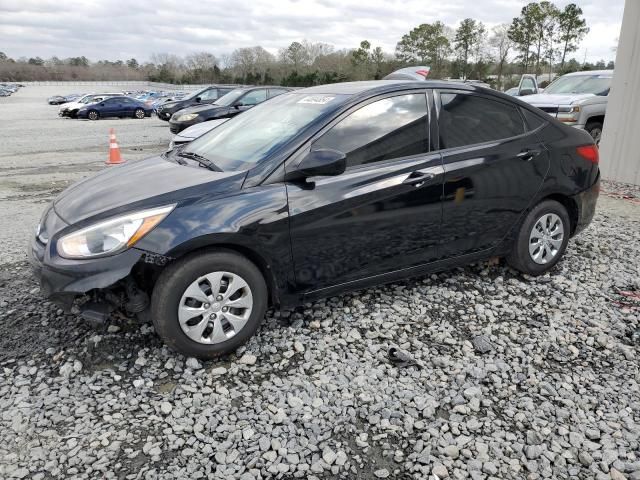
x=194, y=131
x=56, y=100
x=60, y=99
x=5, y=93
x=204, y=96
x=577, y=99
x=419, y=72
x=314, y=193
x=70, y=109
x=115, y=107
x=12, y=87
x=230, y=105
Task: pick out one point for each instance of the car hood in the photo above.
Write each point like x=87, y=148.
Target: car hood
x=141, y=184
x=207, y=111
x=69, y=105
x=174, y=104
x=555, y=99
x=200, y=129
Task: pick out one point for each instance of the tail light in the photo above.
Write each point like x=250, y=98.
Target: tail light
x=589, y=152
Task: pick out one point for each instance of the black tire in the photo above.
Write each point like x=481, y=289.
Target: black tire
x=91, y=116
x=139, y=113
x=175, y=279
x=595, y=130
x=519, y=258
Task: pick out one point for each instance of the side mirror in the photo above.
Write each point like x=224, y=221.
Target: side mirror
x=198, y=99
x=238, y=104
x=102, y=104
x=526, y=91
x=321, y=162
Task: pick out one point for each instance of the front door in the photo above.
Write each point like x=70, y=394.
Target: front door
x=384, y=212
x=493, y=167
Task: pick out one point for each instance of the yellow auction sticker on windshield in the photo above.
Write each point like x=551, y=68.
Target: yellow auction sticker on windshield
x=316, y=99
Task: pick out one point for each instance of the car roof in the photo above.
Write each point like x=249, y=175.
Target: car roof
x=380, y=86
x=589, y=72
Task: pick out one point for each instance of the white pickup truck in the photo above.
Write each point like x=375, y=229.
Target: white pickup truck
x=578, y=99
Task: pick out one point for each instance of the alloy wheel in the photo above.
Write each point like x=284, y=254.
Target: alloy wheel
x=93, y=115
x=215, y=307
x=546, y=238
x=596, y=133
x=139, y=113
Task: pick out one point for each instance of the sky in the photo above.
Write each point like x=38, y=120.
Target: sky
x=122, y=29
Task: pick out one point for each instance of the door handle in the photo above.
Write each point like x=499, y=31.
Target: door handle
x=528, y=154
x=417, y=179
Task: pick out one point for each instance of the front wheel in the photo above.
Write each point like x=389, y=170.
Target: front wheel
x=542, y=239
x=208, y=304
x=93, y=115
x=595, y=130
x=139, y=113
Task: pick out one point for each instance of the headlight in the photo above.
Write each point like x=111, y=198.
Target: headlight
x=569, y=113
x=186, y=117
x=111, y=236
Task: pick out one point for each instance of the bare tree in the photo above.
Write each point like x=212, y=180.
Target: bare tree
x=501, y=44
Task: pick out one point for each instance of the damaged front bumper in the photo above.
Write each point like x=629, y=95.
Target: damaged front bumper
x=61, y=280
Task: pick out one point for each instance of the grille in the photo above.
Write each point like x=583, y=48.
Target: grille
x=549, y=110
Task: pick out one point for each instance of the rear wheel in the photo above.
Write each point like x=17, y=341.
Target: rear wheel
x=542, y=239
x=93, y=115
x=595, y=130
x=208, y=304
x=139, y=113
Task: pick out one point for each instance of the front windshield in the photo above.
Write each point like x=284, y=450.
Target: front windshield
x=86, y=98
x=594, y=84
x=230, y=98
x=249, y=138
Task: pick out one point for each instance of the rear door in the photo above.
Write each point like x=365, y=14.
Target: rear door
x=383, y=213
x=493, y=168
x=127, y=106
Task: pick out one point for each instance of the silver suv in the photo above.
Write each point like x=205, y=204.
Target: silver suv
x=577, y=99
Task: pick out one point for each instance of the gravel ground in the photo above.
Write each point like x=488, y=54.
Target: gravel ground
x=516, y=377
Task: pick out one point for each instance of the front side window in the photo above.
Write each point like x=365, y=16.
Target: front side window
x=254, y=97
x=467, y=119
x=394, y=127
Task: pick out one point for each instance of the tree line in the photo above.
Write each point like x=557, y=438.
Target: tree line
x=539, y=40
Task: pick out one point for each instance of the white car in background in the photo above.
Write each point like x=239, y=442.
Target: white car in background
x=70, y=109
x=194, y=131
x=577, y=99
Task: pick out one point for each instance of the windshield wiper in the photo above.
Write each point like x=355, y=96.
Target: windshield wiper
x=201, y=160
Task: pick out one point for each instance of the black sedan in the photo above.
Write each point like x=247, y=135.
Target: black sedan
x=116, y=107
x=233, y=103
x=314, y=193
x=203, y=96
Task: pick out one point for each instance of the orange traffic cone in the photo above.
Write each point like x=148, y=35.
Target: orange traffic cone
x=114, y=150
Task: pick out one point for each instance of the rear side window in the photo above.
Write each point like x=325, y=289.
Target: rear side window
x=394, y=127
x=532, y=120
x=467, y=119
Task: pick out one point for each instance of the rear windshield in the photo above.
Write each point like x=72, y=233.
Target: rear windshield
x=247, y=139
